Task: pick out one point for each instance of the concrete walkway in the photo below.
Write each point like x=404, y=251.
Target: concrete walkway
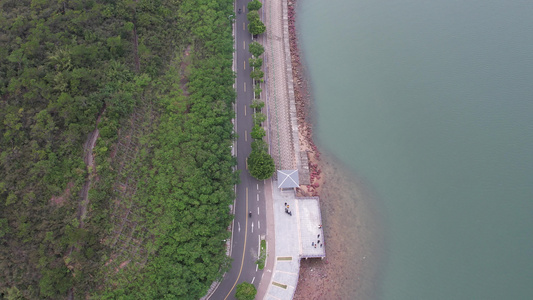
x=298, y=235
x=279, y=92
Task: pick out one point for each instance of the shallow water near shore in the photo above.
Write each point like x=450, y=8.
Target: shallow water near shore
x=429, y=103
x=353, y=239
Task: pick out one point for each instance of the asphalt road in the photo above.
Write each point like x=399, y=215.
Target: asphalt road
x=247, y=231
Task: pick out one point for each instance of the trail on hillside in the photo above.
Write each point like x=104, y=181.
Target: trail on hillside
x=88, y=158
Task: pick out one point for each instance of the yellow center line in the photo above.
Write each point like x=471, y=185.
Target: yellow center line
x=243, y=45
x=244, y=248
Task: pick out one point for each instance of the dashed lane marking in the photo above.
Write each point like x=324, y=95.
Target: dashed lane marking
x=244, y=248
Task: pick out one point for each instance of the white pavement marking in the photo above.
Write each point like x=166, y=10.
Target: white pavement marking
x=258, y=186
x=245, y=86
x=252, y=227
x=254, y=276
x=239, y=225
x=244, y=65
x=257, y=197
x=258, y=210
x=243, y=26
x=245, y=109
x=258, y=224
x=246, y=136
x=243, y=45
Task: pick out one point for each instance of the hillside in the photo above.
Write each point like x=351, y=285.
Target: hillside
x=115, y=168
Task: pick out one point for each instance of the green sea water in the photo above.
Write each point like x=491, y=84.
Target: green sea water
x=431, y=103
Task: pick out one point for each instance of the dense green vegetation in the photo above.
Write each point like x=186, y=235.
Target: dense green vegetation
x=260, y=163
x=255, y=26
x=245, y=291
x=154, y=76
x=254, y=5
x=256, y=49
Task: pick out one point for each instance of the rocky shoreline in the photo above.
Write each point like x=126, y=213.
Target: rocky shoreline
x=303, y=110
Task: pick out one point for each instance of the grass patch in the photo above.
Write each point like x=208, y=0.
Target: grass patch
x=262, y=255
x=285, y=258
x=283, y=286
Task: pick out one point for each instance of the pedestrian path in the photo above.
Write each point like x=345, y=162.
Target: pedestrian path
x=281, y=108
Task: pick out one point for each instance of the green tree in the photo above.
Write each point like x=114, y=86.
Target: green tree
x=253, y=16
x=255, y=62
x=257, y=132
x=259, y=146
x=257, y=104
x=259, y=118
x=257, y=74
x=254, y=5
x=257, y=92
x=256, y=27
x=256, y=49
x=245, y=291
x=261, y=165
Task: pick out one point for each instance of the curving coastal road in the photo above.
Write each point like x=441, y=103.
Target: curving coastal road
x=247, y=231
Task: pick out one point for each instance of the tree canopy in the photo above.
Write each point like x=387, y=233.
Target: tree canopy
x=152, y=80
x=245, y=291
x=256, y=49
x=261, y=165
x=254, y=5
x=255, y=26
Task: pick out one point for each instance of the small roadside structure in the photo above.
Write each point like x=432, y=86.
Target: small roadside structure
x=288, y=179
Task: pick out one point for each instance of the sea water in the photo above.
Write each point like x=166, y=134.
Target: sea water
x=431, y=103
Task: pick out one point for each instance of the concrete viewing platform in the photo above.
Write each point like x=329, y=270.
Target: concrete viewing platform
x=297, y=236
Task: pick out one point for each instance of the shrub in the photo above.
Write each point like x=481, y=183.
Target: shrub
x=245, y=291
x=254, y=5
x=256, y=49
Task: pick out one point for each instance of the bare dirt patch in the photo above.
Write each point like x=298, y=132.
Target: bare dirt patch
x=60, y=200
